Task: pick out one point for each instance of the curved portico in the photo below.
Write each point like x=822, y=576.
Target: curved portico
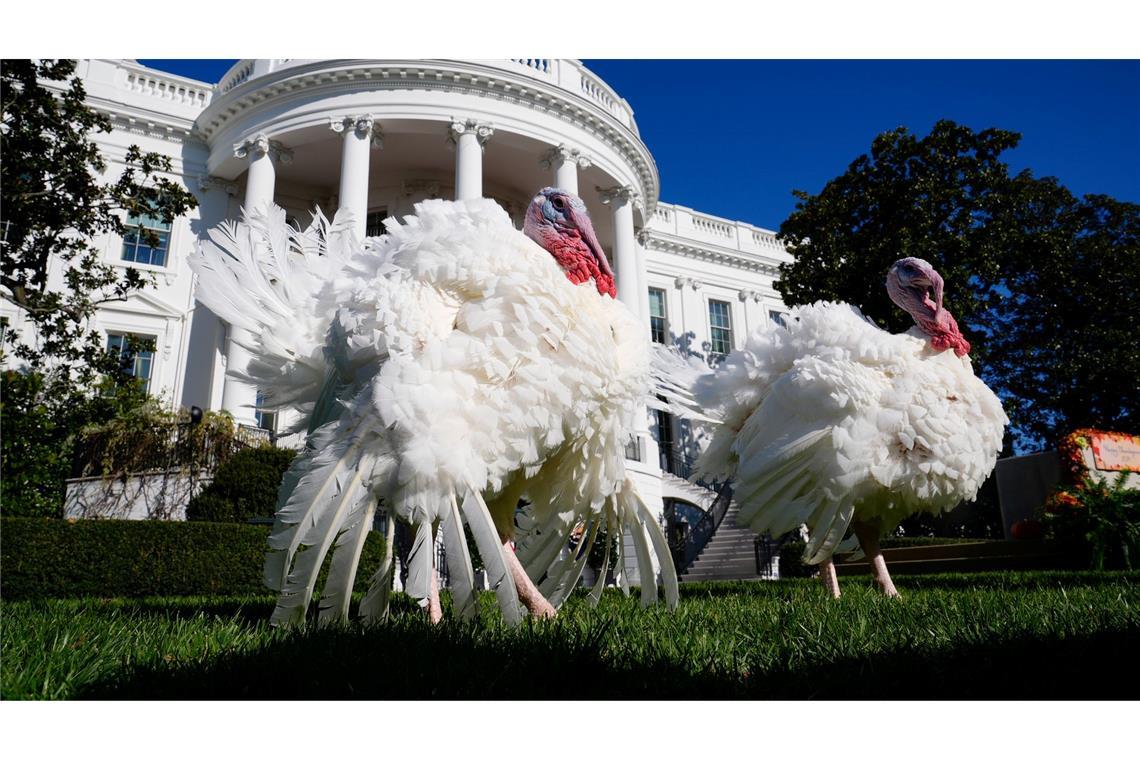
x=372, y=138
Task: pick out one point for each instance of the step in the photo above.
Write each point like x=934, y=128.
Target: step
x=965, y=564
x=977, y=549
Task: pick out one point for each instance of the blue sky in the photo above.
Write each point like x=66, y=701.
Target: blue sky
x=734, y=137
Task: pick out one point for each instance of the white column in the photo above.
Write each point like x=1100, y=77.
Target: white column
x=360, y=135
x=204, y=363
x=621, y=200
x=565, y=162
x=239, y=397
x=469, y=137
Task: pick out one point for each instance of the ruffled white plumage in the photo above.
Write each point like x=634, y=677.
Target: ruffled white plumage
x=831, y=419
x=449, y=361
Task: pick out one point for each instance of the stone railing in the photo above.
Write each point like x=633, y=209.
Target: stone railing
x=173, y=89
x=566, y=74
x=684, y=223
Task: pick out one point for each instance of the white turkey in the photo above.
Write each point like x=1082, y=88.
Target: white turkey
x=832, y=422
x=449, y=367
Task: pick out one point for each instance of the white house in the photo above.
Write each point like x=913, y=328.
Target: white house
x=375, y=137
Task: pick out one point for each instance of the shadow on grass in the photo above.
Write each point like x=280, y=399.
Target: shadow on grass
x=407, y=659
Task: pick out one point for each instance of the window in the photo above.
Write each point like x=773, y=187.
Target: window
x=138, y=249
x=779, y=317
x=657, y=322
x=374, y=223
x=266, y=420
x=136, y=360
x=720, y=327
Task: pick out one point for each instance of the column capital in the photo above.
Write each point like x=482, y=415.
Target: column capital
x=619, y=194
x=681, y=282
x=482, y=130
x=207, y=182
x=260, y=145
x=643, y=237
x=362, y=125
x=746, y=294
x=563, y=154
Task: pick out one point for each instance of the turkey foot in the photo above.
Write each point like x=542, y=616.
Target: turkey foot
x=868, y=535
x=829, y=577
x=529, y=594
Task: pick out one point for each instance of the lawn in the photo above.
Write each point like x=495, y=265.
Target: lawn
x=1044, y=635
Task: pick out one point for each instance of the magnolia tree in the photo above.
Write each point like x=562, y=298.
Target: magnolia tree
x=54, y=202
x=1045, y=285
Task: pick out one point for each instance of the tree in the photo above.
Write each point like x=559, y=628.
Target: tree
x=55, y=202
x=1044, y=285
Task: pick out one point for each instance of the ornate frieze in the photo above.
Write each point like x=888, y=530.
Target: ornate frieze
x=481, y=130
x=363, y=125
x=562, y=154
x=619, y=194
x=208, y=183
x=259, y=145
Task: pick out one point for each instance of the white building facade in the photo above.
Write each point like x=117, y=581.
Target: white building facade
x=377, y=136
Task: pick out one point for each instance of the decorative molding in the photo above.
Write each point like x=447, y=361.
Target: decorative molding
x=562, y=154
x=567, y=105
x=363, y=125
x=482, y=130
x=681, y=282
x=261, y=144
x=207, y=183
x=747, y=293
x=621, y=193
x=410, y=187
x=735, y=259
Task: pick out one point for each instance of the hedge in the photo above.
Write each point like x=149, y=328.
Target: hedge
x=43, y=557
x=244, y=487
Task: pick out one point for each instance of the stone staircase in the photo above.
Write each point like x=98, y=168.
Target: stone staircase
x=728, y=556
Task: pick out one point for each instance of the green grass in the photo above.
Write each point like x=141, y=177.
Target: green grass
x=981, y=636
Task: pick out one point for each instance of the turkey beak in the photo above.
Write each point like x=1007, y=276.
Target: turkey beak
x=582, y=221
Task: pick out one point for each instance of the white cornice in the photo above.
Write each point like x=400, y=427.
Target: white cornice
x=655, y=241
x=331, y=78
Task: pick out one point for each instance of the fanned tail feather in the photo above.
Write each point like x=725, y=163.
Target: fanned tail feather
x=461, y=575
x=491, y=550
x=374, y=605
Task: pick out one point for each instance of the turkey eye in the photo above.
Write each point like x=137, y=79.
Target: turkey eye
x=559, y=204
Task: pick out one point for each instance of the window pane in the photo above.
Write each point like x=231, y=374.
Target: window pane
x=135, y=246
x=720, y=327
x=657, y=321
x=778, y=317
x=138, y=363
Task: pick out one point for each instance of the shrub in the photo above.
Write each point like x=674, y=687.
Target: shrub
x=41, y=419
x=792, y=564
x=1102, y=519
x=244, y=487
x=127, y=558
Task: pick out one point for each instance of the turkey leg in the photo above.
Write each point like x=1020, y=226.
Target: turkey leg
x=868, y=535
x=529, y=594
x=829, y=577
x=434, y=609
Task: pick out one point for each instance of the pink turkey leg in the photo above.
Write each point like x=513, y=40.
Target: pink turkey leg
x=829, y=577
x=434, y=609
x=529, y=594
x=868, y=535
